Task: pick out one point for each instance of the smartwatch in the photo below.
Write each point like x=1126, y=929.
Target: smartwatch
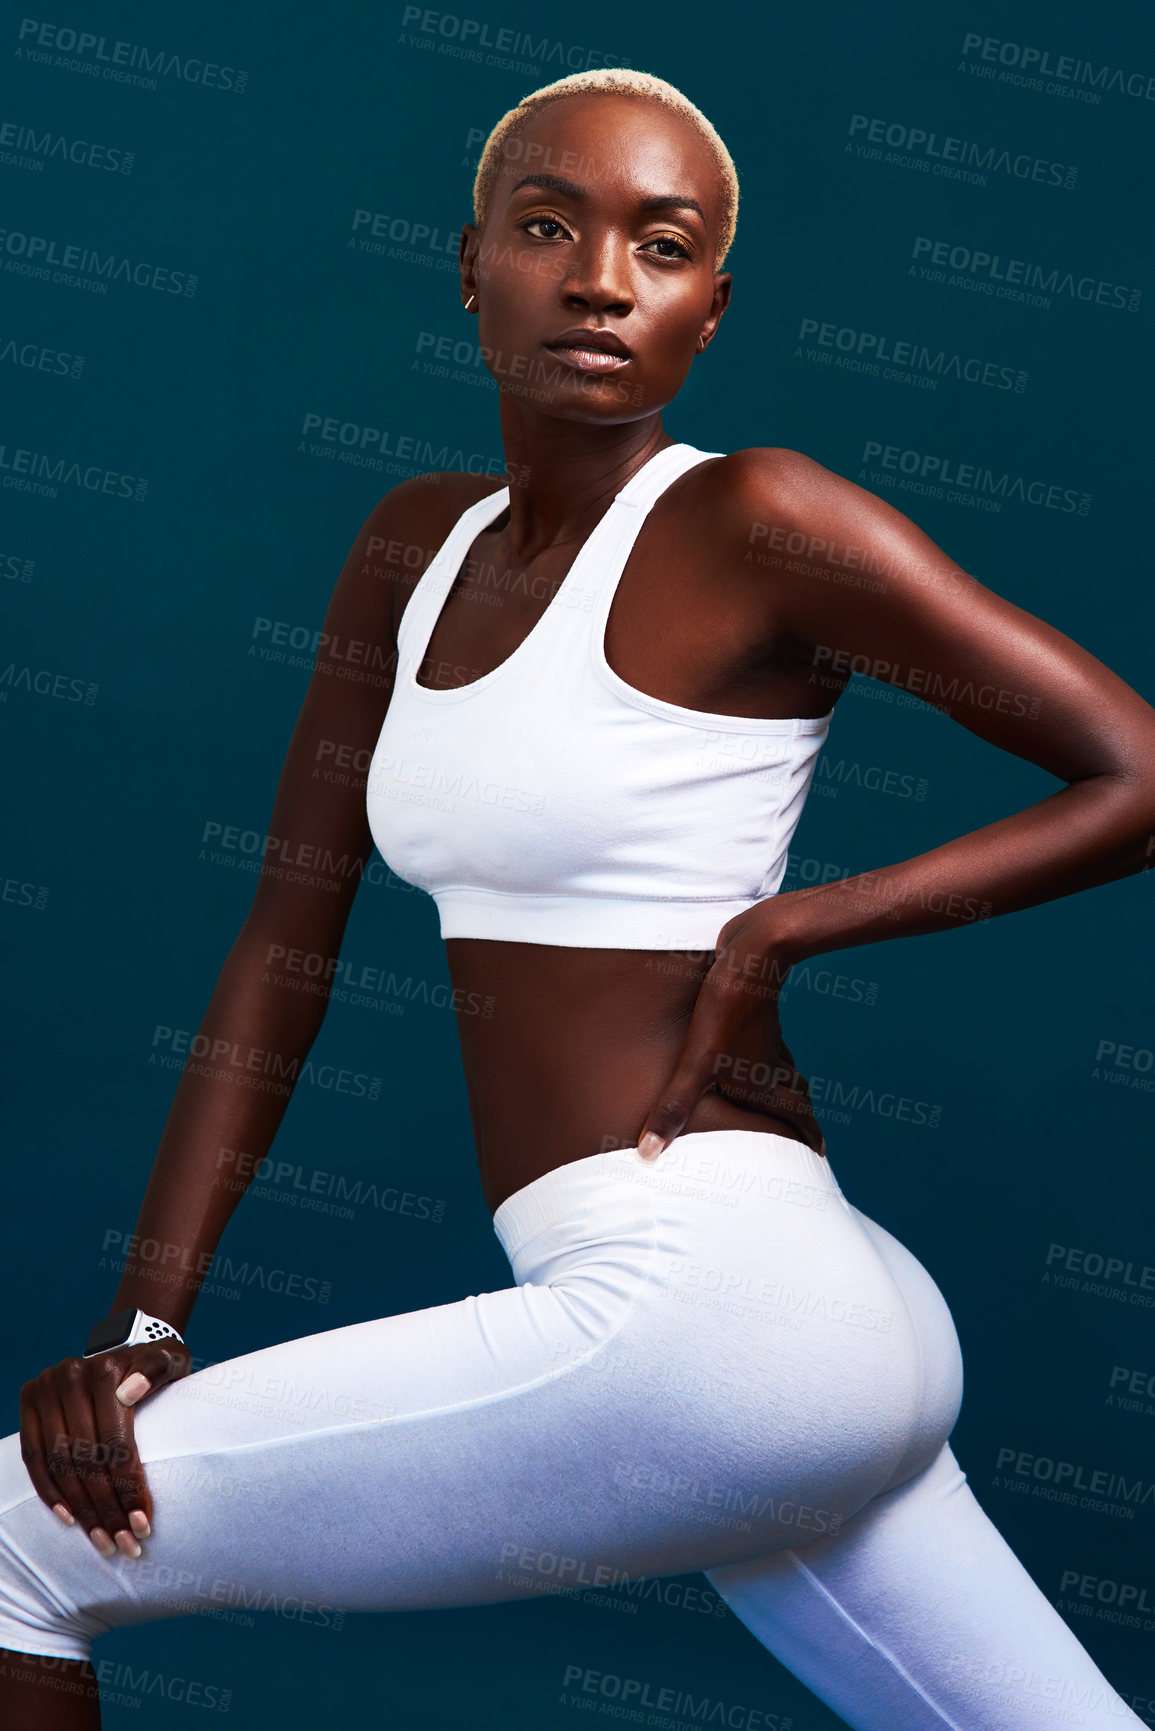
x=128, y=1328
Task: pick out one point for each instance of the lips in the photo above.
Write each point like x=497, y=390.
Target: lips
x=589, y=350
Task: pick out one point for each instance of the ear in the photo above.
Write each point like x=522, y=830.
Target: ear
x=468, y=256
x=723, y=282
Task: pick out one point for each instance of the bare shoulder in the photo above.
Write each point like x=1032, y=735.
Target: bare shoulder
x=766, y=499
x=784, y=512
x=429, y=505
x=408, y=525
x=771, y=464
x=771, y=510
x=771, y=483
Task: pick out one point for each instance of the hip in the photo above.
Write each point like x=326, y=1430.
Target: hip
x=732, y=1272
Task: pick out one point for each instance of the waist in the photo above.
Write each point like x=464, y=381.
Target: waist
x=574, y=1049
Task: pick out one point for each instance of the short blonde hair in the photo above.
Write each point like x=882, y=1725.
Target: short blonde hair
x=610, y=81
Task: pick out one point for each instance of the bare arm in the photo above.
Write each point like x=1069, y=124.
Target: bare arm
x=76, y=1419
x=255, y=1035
x=999, y=672
x=873, y=594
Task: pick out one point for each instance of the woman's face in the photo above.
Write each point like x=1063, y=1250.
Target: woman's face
x=606, y=218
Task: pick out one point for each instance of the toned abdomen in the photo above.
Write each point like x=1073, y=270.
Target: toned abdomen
x=577, y=1049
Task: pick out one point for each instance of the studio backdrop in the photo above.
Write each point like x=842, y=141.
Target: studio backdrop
x=231, y=322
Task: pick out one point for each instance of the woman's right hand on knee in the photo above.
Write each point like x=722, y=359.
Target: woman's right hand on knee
x=77, y=1437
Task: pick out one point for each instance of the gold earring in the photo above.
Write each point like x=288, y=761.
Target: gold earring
x=701, y=344
x=469, y=303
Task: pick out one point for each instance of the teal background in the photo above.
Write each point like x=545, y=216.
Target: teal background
x=153, y=602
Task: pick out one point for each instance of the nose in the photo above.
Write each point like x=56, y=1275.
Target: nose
x=597, y=277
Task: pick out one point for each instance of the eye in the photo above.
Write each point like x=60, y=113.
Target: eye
x=680, y=248
x=544, y=222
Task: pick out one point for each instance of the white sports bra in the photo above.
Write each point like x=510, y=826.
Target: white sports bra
x=548, y=802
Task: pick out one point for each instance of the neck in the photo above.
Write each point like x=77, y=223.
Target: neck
x=562, y=474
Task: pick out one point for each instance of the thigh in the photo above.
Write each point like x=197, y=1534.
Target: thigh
x=483, y=1450
x=386, y=1465
x=918, y=1616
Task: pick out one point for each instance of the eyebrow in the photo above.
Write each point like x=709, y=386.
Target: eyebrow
x=570, y=189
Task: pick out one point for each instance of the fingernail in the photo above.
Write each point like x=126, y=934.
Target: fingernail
x=66, y=1515
x=126, y=1543
x=133, y=1388
x=102, y=1542
x=138, y=1521
x=650, y=1146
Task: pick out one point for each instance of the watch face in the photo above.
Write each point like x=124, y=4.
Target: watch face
x=113, y=1331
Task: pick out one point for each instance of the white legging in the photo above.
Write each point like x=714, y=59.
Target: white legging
x=711, y=1363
